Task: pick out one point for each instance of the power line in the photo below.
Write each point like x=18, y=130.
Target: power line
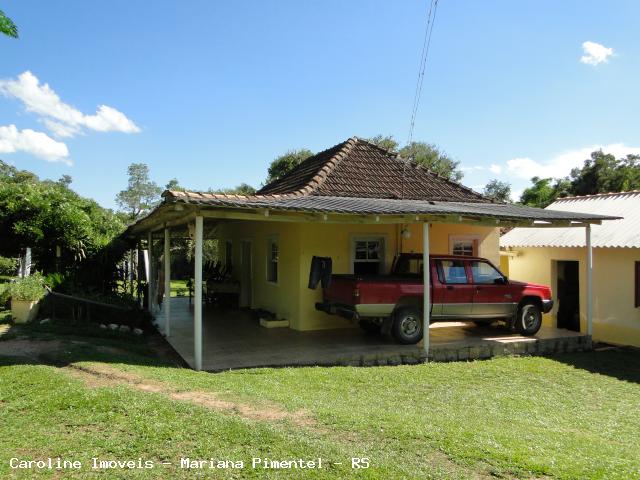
x=431, y=18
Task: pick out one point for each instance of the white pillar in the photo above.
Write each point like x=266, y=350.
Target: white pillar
x=197, y=297
x=167, y=282
x=426, y=300
x=150, y=272
x=589, y=282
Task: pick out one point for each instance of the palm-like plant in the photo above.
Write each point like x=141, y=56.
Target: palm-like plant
x=7, y=26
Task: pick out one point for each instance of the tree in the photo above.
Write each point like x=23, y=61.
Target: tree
x=285, y=163
x=173, y=184
x=385, y=141
x=45, y=215
x=544, y=191
x=498, y=191
x=431, y=157
x=141, y=193
x=242, y=189
x=65, y=180
x=7, y=26
x=604, y=173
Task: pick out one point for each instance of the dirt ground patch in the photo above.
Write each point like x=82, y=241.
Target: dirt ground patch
x=105, y=376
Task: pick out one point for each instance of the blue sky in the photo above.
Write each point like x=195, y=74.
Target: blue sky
x=209, y=91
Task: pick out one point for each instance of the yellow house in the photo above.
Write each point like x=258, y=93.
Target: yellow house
x=558, y=257
x=356, y=203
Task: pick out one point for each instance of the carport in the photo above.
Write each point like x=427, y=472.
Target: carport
x=194, y=214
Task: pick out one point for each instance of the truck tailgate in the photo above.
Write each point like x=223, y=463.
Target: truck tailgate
x=341, y=289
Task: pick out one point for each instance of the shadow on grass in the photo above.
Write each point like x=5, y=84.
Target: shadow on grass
x=62, y=345
x=622, y=363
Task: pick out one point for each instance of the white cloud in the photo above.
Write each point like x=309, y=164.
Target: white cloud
x=36, y=143
x=594, y=53
x=63, y=119
x=497, y=169
x=472, y=168
x=561, y=165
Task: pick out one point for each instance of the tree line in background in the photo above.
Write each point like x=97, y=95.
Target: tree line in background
x=60, y=226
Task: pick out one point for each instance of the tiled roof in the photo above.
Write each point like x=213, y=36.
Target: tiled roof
x=375, y=206
x=358, y=168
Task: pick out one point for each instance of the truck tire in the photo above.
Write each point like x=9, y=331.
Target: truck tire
x=407, y=325
x=529, y=318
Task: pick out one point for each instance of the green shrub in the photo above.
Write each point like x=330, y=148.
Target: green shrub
x=8, y=266
x=53, y=280
x=29, y=288
x=4, y=295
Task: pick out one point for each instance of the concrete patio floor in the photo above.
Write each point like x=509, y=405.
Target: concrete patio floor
x=233, y=339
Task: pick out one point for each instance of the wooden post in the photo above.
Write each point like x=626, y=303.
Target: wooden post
x=167, y=282
x=426, y=300
x=197, y=297
x=150, y=273
x=589, y=281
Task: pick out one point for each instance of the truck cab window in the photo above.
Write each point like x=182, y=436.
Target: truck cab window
x=484, y=272
x=453, y=271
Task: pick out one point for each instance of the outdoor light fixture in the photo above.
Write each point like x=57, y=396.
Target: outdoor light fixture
x=405, y=233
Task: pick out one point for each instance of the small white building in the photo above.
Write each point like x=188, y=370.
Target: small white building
x=558, y=257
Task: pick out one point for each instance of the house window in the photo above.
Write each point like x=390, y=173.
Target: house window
x=228, y=256
x=368, y=256
x=273, y=252
x=637, y=284
x=465, y=245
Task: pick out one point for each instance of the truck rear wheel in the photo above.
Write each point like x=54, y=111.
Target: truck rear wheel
x=529, y=319
x=407, y=325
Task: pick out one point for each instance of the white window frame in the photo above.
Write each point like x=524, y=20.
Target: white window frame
x=272, y=239
x=383, y=238
x=465, y=238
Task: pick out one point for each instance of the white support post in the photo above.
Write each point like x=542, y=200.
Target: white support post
x=197, y=297
x=426, y=300
x=589, y=281
x=150, y=272
x=167, y=282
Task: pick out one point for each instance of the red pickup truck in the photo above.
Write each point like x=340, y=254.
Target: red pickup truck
x=462, y=288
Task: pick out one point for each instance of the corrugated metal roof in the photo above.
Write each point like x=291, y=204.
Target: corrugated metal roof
x=616, y=233
x=378, y=206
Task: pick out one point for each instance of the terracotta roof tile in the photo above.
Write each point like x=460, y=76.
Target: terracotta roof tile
x=358, y=168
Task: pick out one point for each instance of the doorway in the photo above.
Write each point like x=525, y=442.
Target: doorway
x=246, y=274
x=568, y=282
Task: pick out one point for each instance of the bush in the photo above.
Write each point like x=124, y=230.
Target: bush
x=8, y=266
x=4, y=295
x=30, y=289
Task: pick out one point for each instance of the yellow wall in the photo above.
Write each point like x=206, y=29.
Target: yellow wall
x=298, y=243
x=615, y=318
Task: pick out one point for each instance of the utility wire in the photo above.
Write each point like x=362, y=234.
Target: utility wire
x=431, y=18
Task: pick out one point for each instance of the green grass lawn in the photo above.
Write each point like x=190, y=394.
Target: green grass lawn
x=570, y=416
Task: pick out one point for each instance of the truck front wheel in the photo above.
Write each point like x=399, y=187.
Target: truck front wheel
x=407, y=325
x=529, y=319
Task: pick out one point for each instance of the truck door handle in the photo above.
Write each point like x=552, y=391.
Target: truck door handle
x=449, y=287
